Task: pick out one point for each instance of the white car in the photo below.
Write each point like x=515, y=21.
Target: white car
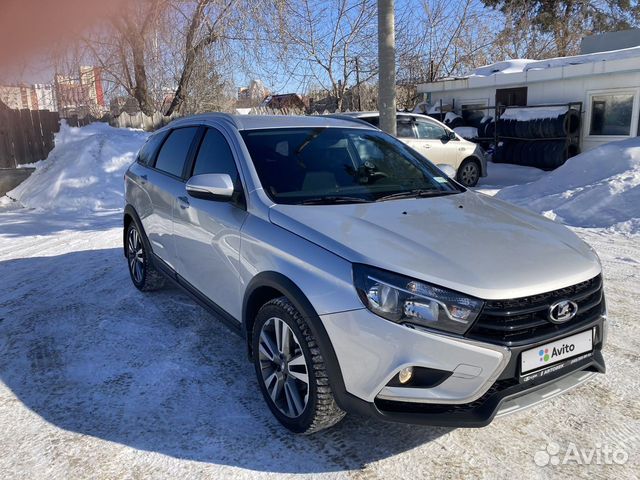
x=438, y=143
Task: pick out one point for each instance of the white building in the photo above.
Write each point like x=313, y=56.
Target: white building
x=607, y=84
x=29, y=97
x=45, y=97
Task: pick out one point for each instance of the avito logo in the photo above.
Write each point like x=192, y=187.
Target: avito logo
x=545, y=356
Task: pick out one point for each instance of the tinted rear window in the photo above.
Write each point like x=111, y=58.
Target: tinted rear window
x=150, y=148
x=174, y=151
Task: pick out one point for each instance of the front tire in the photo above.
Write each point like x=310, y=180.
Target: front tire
x=291, y=370
x=469, y=173
x=143, y=274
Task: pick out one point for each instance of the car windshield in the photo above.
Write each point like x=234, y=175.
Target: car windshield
x=340, y=165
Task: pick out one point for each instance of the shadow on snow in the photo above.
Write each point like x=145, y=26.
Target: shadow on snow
x=90, y=354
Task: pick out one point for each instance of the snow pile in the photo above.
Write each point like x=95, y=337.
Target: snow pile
x=532, y=113
x=599, y=188
x=84, y=171
x=467, y=132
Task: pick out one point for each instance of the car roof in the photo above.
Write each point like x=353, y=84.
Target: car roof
x=372, y=114
x=377, y=114
x=255, y=122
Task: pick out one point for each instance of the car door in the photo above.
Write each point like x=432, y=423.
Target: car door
x=434, y=143
x=164, y=183
x=207, y=231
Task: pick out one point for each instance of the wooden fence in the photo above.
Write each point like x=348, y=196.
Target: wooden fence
x=26, y=136
x=140, y=120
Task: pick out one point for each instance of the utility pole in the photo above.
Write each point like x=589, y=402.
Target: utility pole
x=387, y=66
x=358, y=83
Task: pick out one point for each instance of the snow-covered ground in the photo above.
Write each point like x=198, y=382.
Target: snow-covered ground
x=98, y=380
x=599, y=188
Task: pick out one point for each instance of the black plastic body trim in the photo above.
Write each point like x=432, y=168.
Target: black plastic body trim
x=172, y=275
x=509, y=385
x=289, y=289
x=231, y=322
x=479, y=413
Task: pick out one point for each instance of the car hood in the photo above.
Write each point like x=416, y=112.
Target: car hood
x=468, y=242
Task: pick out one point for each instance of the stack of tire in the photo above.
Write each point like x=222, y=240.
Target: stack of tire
x=544, y=143
x=487, y=128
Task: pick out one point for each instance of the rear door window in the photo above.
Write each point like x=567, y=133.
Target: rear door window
x=175, y=150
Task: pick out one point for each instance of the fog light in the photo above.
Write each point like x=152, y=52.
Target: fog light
x=405, y=374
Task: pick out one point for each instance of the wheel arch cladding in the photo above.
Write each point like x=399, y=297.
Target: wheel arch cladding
x=130, y=215
x=127, y=218
x=268, y=285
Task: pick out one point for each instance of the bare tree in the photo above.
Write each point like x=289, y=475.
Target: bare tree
x=120, y=48
x=441, y=38
x=327, y=42
x=206, y=26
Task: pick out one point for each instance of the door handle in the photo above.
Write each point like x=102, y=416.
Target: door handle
x=184, y=202
x=143, y=179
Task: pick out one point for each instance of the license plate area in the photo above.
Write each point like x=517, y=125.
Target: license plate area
x=556, y=353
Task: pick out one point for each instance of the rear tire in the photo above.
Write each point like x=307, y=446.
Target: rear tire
x=143, y=274
x=469, y=173
x=291, y=371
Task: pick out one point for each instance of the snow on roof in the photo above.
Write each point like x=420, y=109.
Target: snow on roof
x=520, y=65
x=532, y=113
x=522, y=70
x=508, y=66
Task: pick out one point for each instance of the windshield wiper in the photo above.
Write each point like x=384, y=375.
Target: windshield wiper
x=333, y=199
x=416, y=193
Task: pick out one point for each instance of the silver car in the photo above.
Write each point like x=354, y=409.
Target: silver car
x=362, y=277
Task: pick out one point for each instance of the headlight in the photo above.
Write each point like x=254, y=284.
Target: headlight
x=404, y=300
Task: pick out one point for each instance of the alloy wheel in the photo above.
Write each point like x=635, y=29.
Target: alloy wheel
x=284, y=368
x=135, y=255
x=469, y=174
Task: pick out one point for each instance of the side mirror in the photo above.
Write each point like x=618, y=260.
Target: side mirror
x=211, y=186
x=448, y=170
x=448, y=136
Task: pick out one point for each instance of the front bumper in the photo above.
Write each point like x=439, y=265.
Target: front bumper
x=484, y=379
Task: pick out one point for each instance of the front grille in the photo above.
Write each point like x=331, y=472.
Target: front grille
x=519, y=320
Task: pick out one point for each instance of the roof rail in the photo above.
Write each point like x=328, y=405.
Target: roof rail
x=349, y=118
x=204, y=116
